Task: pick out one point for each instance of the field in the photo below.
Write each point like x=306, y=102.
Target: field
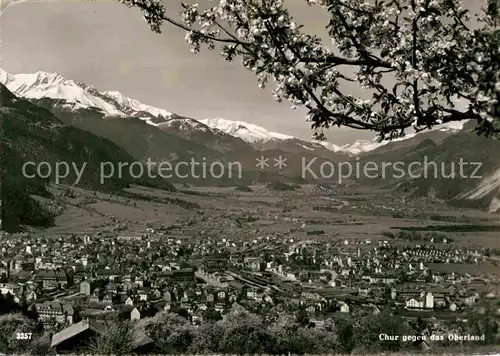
x=466, y=268
x=332, y=215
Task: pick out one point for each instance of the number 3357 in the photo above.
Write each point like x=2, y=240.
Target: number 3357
x=23, y=336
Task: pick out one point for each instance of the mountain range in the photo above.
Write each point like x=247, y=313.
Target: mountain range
x=74, y=95
x=33, y=134
x=144, y=131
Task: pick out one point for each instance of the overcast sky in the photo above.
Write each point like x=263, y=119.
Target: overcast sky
x=109, y=46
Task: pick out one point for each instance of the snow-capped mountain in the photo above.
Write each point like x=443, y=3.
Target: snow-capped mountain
x=185, y=123
x=254, y=134
x=362, y=146
x=52, y=85
x=262, y=139
x=198, y=131
x=330, y=146
x=132, y=106
x=488, y=185
x=247, y=132
x=167, y=136
x=76, y=95
x=5, y=77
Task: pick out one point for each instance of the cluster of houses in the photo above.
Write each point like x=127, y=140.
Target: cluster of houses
x=72, y=281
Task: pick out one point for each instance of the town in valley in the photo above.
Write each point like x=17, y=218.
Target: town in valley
x=318, y=255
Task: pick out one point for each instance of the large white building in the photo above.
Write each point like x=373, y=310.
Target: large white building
x=429, y=300
x=425, y=301
x=414, y=303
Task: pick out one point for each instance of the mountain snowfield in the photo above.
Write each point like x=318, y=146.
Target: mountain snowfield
x=77, y=95
x=186, y=123
x=488, y=185
x=52, y=85
x=361, y=146
x=247, y=132
x=136, y=105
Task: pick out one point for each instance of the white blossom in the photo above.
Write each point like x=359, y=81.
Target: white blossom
x=449, y=59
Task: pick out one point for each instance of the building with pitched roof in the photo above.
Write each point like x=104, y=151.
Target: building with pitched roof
x=75, y=335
